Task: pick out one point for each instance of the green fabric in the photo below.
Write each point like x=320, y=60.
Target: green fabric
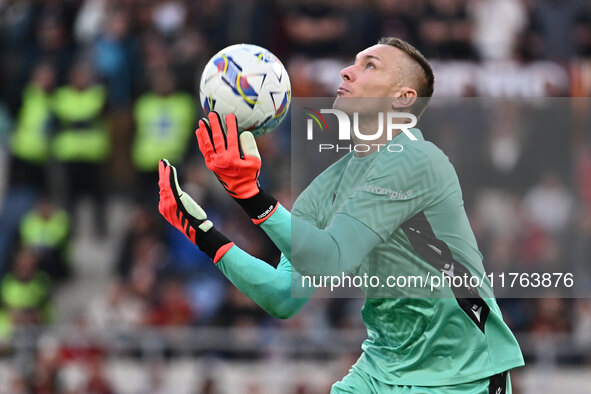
x=52, y=232
x=30, y=140
x=359, y=382
x=164, y=125
x=269, y=287
x=411, y=341
x=82, y=134
x=360, y=204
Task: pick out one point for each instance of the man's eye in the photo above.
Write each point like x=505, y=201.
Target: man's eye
x=370, y=65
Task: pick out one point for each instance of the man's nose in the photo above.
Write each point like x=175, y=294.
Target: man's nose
x=347, y=73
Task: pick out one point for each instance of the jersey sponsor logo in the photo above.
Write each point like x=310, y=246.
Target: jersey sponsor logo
x=379, y=190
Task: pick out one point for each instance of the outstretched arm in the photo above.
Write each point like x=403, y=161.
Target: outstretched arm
x=338, y=249
x=270, y=288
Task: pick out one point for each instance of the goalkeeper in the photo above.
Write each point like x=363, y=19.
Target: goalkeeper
x=442, y=344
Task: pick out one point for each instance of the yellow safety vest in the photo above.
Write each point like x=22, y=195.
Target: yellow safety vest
x=164, y=126
x=30, y=140
x=82, y=133
x=35, y=231
x=17, y=294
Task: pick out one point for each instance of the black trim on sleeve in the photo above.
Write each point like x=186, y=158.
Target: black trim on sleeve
x=422, y=238
x=498, y=383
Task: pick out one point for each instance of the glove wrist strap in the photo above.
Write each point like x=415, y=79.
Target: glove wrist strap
x=213, y=243
x=259, y=207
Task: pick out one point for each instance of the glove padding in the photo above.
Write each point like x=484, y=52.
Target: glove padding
x=180, y=210
x=238, y=173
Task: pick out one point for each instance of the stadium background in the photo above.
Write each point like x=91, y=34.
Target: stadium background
x=123, y=303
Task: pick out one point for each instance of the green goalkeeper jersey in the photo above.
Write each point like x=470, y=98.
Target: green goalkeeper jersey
x=411, y=198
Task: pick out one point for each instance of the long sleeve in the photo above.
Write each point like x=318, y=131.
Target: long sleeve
x=270, y=288
x=339, y=248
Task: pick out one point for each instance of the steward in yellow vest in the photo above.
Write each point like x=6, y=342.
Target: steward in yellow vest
x=82, y=143
x=25, y=291
x=164, y=119
x=82, y=133
x=29, y=143
x=46, y=229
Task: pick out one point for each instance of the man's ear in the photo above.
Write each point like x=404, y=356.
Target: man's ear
x=404, y=98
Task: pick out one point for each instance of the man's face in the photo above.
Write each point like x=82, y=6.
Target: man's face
x=376, y=73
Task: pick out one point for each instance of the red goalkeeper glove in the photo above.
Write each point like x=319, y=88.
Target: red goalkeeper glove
x=180, y=210
x=238, y=173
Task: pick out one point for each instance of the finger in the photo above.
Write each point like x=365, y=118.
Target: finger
x=249, y=145
x=205, y=145
x=232, y=134
x=174, y=182
x=217, y=132
x=162, y=173
x=163, y=177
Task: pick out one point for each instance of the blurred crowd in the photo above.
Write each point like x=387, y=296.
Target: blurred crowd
x=95, y=92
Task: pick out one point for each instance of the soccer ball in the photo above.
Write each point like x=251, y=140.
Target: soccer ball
x=250, y=82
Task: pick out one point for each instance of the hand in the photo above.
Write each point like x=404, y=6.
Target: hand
x=238, y=174
x=180, y=210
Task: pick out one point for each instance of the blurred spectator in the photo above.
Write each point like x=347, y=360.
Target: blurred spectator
x=97, y=382
x=315, y=27
x=116, y=58
x=148, y=259
x=582, y=325
x=119, y=309
x=90, y=20
x=17, y=24
x=445, y=31
x=25, y=290
x=171, y=307
x=582, y=32
x=29, y=143
x=5, y=123
x=242, y=314
x=156, y=56
x=155, y=382
x=553, y=25
x=143, y=224
x=254, y=22
x=164, y=119
x=189, y=54
x=168, y=17
x=497, y=24
x=46, y=229
x=550, y=317
x=47, y=364
x=82, y=141
x=211, y=17
x=207, y=386
x=549, y=204
x=583, y=175
x=52, y=45
x=17, y=383
x=400, y=18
